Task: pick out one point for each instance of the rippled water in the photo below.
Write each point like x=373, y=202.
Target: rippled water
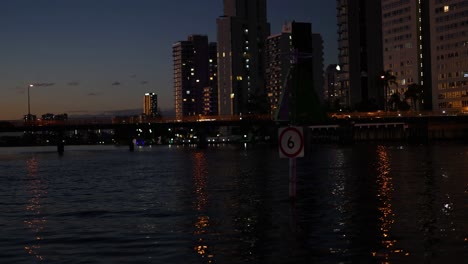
x=356, y=204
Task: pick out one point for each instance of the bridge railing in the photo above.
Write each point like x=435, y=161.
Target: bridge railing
x=383, y=114
x=129, y=120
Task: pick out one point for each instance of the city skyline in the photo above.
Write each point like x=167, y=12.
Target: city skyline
x=92, y=58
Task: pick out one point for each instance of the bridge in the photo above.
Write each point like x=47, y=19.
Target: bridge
x=339, y=127
x=125, y=130
x=116, y=122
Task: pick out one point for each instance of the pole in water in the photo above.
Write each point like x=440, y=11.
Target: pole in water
x=131, y=145
x=292, y=178
x=60, y=147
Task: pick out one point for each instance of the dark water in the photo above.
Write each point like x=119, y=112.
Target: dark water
x=357, y=204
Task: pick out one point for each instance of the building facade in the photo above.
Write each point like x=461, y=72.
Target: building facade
x=317, y=55
x=294, y=71
x=278, y=50
x=191, y=75
x=334, y=94
x=406, y=46
x=449, y=35
x=210, y=93
x=150, y=105
x=360, y=52
x=242, y=32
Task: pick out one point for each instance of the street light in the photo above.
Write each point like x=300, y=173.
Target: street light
x=29, y=102
x=383, y=78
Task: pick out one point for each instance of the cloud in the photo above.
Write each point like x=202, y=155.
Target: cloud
x=116, y=83
x=73, y=83
x=133, y=76
x=43, y=84
x=144, y=82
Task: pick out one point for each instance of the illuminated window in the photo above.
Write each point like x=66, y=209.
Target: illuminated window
x=446, y=8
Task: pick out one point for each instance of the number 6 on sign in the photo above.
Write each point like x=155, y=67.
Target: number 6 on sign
x=291, y=142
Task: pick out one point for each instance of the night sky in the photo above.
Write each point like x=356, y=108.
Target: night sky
x=92, y=57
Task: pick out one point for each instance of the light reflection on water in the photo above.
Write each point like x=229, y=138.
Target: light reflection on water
x=35, y=221
x=200, y=175
x=356, y=204
x=385, y=190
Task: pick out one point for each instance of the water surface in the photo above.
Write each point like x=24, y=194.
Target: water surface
x=355, y=204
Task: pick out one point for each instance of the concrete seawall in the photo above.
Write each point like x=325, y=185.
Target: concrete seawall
x=421, y=131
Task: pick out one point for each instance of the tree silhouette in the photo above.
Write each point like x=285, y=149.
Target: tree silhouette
x=414, y=93
x=394, y=101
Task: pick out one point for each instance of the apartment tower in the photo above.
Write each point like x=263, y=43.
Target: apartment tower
x=150, y=104
x=360, y=52
x=191, y=75
x=210, y=93
x=406, y=46
x=294, y=70
x=242, y=32
x=449, y=34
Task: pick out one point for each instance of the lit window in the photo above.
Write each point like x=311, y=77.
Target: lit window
x=232, y=96
x=446, y=8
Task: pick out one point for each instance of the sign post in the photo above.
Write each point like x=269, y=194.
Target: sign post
x=291, y=145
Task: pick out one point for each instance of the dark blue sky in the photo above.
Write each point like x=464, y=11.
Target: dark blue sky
x=93, y=56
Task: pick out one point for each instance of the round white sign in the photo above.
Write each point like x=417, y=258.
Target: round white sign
x=291, y=142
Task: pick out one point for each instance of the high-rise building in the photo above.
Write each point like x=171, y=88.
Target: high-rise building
x=360, y=52
x=191, y=75
x=294, y=71
x=150, y=104
x=278, y=65
x=242, y=32
x=334, y=94
x=210, y=93
x=449, y=35
x=317, y=56
x=406, y=45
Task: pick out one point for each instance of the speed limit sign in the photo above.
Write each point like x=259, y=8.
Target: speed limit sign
x=291, y=142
